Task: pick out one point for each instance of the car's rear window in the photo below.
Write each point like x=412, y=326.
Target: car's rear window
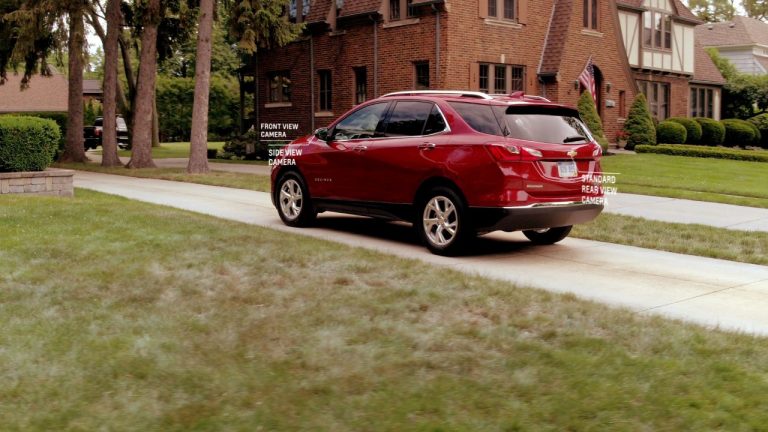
x=479, y=117
x=542, y=124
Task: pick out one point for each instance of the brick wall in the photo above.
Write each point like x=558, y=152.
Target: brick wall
x=52, y=181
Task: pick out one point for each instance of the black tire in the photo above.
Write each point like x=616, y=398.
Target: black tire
x=548, y=236
x=293, y=202
x=442, y=223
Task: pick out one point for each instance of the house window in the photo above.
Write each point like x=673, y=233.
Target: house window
x=421, y=70
x=396, y=8
x=326, y=90
x=658, y=98
x=657, y=30
x=502, y=9
x=279, y=86
x=702, y=102
x=501, y=78
x=590, y=14
x=361, y=85
x=294, y=6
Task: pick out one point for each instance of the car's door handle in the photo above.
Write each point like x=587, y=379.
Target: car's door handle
x=361, y=148
x=427, y=146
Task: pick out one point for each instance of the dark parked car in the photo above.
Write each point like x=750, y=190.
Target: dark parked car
x=93, y=134
x=456, y=164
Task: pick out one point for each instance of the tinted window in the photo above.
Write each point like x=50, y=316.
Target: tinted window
x=478, y=117
x=408, y=118
x=435, y=122
x=556, y=126
x=99, y=121
x=362, y=123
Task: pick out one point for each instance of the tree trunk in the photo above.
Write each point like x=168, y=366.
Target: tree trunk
x=109, y=139
x=155, y=122
x=198, y=148
x=129, y=105
x=141, y=155
x=74, y=149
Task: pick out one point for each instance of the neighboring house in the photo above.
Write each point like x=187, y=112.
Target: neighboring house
x=743, y=41
x=355, y=50
x=44, y=94
x=673, y=71
x=92, y=90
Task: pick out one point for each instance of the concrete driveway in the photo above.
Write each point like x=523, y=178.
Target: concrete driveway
x=707, y=291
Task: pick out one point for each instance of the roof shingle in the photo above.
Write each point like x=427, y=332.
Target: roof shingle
x=355, y=7
x=556, y=36
x=44, y=94
x=705, y=70
x=740, y=31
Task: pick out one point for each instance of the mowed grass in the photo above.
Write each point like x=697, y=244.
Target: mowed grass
x=689, y=239
x=173, y=150
x=119, y=315
x=716, y=180
x=212, y=178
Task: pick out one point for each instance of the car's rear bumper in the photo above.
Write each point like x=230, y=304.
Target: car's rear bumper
x=535, y=216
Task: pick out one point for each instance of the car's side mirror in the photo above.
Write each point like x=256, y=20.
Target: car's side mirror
x=322, y=134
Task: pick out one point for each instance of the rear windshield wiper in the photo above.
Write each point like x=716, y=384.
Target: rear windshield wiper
x=574, y=138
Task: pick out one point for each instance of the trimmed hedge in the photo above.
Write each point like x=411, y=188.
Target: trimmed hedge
x=692, y=127
x=639, y=126
x=705, y=152
x=27, y=143
x=669, y=132
x=761, y=122
x=740, y=133
x=712, y=131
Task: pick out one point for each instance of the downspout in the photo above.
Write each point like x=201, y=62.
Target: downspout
x=375, y=57
x=312, y=81
x=437, y=44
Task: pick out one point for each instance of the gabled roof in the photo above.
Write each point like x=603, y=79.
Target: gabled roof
x=685, y=13
x=705, y=70
x=556, y=36
x=357, y=7
x=92, y=87
x=44, y=94
x=740, y=31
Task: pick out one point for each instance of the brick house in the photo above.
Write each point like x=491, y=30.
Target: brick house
x=743, y=41
x=44, y=94
x=354, y=50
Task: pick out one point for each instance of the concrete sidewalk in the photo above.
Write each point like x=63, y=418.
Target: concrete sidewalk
x=707, y=291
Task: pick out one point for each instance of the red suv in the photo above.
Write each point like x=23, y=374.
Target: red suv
x=456, y=164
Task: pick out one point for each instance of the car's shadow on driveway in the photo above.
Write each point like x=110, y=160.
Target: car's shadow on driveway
x=404, y=233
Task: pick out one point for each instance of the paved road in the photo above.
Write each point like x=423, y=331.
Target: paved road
x=702, y=290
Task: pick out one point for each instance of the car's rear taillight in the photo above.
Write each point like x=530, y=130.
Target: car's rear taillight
x=513, y=153
x=97, y=132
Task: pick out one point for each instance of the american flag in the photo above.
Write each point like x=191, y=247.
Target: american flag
x=587, y=79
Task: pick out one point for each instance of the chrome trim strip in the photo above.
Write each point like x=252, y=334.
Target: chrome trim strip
x=476, y=94
x=543, y=205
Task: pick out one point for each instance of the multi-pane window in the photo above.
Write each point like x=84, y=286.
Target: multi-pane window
x=394, y=9
x=503, y=9
x=399, y=9
x=702, y=102
x=326, y=90
x=590, y=12
x=657, y=30
x=279, y=86
x=501, y=78
x=658, y=98
x=361, y=85
x=421, y=70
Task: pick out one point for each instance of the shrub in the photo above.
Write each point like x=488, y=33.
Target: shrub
x=692, y=127
x=670, y=132
x=27, y=143
x=740, y=133
x=238, y=147
x=761, y=122
x=705, y=152
x=591, y=118
x=712, y=131
x=639, y=125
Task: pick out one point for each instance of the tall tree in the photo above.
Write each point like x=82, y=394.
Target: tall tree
x=74, y=151
x=713, y=10
x=756, y=9
x=109, y=139
x=198, y=148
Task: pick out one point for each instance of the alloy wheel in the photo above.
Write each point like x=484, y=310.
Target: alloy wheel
x=441, y=221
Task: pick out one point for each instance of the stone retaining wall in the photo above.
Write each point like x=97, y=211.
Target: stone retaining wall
x=57, y=182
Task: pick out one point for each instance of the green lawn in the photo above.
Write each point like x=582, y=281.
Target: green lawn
x=716, y=180
x=181, y=150
x=141, y=317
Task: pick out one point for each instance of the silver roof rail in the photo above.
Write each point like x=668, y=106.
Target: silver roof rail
x=520, y=95
x=473, y=94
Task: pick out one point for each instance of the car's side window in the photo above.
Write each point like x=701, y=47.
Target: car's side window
x=478, y=117
x=408, y=118
x=435, y=122
x=362, y=123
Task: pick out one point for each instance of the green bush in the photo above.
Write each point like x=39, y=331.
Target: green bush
x=669, y=132
x=27, y=143
x=740, y=133
x=761, y=122
x=589, y=115
x=692, y=127
x=705, y=152
x=712, y=131
x=238, y=148
x=639, y=125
